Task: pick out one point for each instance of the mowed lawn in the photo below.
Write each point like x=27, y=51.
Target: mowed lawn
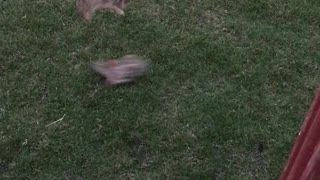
x=228, y=88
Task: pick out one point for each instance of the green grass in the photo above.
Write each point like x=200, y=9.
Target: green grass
x=226, y=78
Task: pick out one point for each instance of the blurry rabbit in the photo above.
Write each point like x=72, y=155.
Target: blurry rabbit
x=87, y=8
x=122, y=70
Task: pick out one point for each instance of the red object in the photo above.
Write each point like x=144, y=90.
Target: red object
x=304, y=160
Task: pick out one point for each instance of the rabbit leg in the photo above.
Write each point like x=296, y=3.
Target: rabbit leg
x=115, y=8
x=84, y=9
x=119, y=81
x=88, y=15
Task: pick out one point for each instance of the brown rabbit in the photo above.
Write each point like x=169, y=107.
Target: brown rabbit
x=122, y=70
x=87, y=8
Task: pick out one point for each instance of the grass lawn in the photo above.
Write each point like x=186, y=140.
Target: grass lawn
x=229, y=86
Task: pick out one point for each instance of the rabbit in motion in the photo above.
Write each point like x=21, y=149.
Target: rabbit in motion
x=87, y=8
x=123, y=70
